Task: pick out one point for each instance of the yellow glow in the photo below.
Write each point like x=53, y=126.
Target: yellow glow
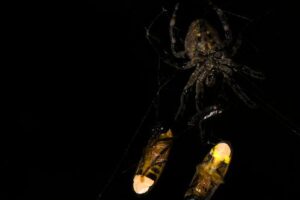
x=141, y=184
x=222, y=152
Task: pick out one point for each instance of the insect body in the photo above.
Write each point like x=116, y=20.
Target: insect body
x=210, y=173
x=153, y=160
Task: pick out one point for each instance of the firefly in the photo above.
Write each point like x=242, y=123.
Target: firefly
x=153, y=161
x=210, y=173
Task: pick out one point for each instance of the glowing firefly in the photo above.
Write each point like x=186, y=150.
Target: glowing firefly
x=153, y=161
x=210, y=173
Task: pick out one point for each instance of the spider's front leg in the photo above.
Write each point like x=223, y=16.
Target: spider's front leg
x=164, y=55
x=155, y=43
x=180, y=54
x=224, y=22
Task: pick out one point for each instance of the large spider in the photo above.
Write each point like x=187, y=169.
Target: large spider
x=208, y=54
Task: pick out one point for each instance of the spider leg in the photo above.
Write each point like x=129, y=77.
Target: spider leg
x=237, y=44
x=207, y=113
x=238, y=91
x=180, y=54
x=227, y=63
x=172, y=63
x=224, y=22
x=210, y=80
x=199, y=119
x=193, y=78
x=164, y=55
x=155, y=43
x=182, y=104
x=251, y=72
x=188, y=65
x=199, y=92
x=211, y=111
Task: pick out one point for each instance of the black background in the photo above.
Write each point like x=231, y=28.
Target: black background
x=78, y=78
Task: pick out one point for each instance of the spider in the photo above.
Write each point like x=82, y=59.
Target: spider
x=208, y=54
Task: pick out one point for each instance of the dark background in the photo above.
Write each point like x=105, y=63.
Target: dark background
x=79, y=77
